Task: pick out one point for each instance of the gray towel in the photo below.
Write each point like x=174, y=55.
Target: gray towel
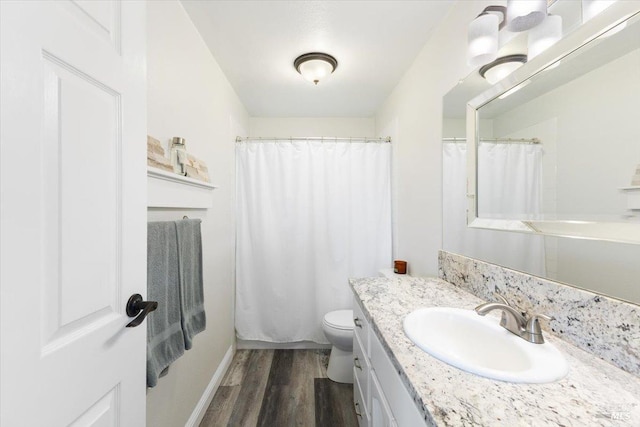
x=191, y=287
x=165, y=340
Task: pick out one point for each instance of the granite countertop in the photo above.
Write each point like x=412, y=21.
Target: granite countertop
x=594, y=393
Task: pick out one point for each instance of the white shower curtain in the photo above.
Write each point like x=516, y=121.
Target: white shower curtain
x=509, y=180
x=509, y=183
x=310, y=214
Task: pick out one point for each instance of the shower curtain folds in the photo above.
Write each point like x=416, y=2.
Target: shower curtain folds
x=310, y=214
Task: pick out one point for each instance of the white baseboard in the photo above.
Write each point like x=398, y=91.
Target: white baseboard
x=198, y=412
x=264, y=345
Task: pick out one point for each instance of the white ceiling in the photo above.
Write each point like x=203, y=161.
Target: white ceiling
x=255, y=43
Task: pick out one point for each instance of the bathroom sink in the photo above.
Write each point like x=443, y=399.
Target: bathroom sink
x=479, y=345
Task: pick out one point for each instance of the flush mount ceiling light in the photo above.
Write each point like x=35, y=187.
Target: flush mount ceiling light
x=483, y=35
x=502, y=67
x=522, y=15
x=315, y=66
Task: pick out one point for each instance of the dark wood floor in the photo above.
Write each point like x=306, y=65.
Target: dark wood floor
x=274, y=388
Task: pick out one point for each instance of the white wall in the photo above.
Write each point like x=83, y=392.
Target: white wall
x=313, y=126
x=189, y=96
x=414, y=110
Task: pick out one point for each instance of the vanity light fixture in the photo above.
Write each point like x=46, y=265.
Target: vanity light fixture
x=502, y=67
x=522, y=15
x=315, y=66
x=483, y=38
x=544, y=35
x=517, y=16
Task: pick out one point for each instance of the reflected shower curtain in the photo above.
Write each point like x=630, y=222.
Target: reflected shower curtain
x=310, y=214
x=510, y=182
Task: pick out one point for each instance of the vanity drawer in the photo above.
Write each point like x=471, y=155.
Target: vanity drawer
x=361, y=369
x=361, y=327
x=358, y=403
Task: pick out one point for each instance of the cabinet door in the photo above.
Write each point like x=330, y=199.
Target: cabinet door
x=361, y=411
x=381, y=415
x=402, y=405
x=361, y=371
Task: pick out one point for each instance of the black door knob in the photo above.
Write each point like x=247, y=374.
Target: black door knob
x=136, y=306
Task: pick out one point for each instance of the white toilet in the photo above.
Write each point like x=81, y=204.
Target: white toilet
x=338, y=327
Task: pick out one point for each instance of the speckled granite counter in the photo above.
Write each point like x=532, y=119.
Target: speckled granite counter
x=594, y=393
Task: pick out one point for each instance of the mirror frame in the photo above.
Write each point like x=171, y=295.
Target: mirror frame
x=608, y=231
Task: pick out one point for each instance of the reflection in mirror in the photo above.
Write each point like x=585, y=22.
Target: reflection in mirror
x=583, y=114
x=563, y=147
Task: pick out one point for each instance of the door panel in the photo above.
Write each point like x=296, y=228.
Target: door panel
x=104, y=413
x=81, y=167
x=72, y=213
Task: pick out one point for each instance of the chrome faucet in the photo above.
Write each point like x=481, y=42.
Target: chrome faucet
x=514, y=321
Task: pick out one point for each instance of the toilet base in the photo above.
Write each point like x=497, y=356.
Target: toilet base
x=340, y=367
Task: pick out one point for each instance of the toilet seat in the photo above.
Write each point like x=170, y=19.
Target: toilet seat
x=339, y=319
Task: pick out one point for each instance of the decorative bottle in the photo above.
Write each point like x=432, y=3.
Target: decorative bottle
x=178, y=145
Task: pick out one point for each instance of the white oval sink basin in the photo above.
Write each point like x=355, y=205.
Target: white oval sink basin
x=479, y=345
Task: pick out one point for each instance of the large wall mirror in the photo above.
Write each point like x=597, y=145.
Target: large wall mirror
x=553, y=150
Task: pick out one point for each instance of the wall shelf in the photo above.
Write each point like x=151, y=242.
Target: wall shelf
x=170, y=190
x=633, y=197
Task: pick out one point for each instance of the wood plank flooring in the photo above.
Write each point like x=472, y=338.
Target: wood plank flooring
x=274, y=388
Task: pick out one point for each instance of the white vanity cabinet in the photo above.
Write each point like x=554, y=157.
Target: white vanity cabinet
x=380, y=397
x=381, y=415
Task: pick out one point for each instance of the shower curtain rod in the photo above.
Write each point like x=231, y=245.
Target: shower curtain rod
x=315, y=138
x=498, y=140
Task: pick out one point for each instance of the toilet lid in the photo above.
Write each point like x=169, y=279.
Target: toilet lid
x=339, y=319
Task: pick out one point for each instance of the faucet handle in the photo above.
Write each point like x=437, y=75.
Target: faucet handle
x=533, y=330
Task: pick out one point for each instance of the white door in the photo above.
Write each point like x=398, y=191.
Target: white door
x=72, y=213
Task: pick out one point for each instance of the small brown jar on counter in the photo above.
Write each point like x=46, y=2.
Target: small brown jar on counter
x=400, y=267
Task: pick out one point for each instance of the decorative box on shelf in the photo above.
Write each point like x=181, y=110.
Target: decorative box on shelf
x=170, y=190
x=633, y=196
